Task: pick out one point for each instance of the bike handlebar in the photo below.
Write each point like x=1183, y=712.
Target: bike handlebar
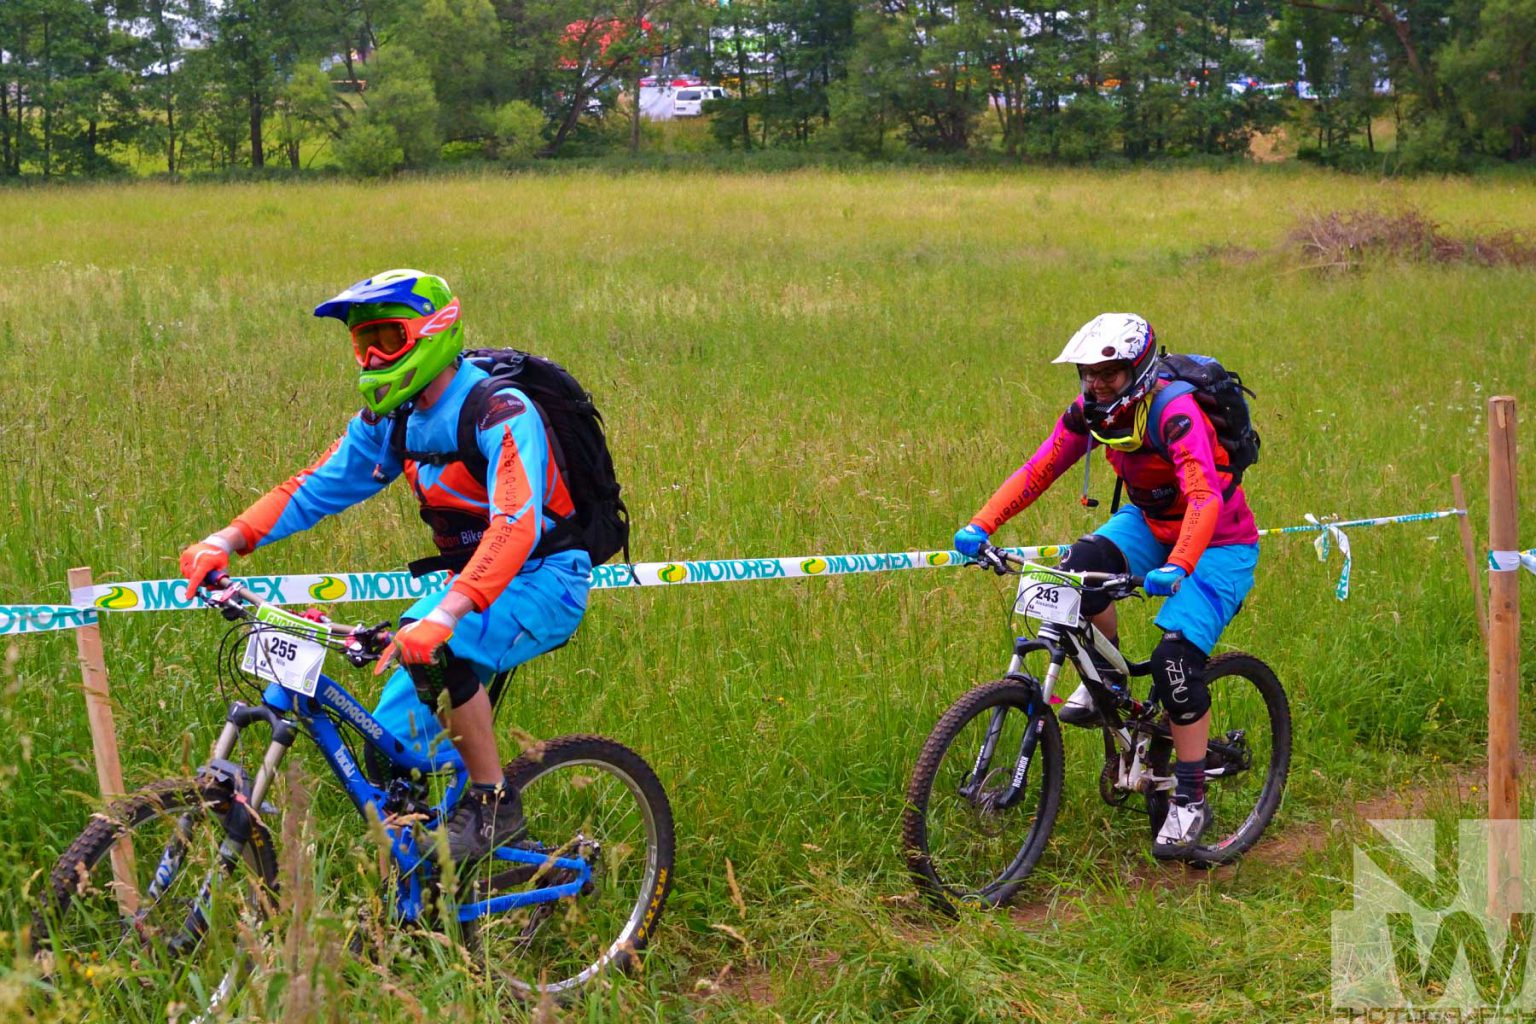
x=989, y=556
x=361, y=644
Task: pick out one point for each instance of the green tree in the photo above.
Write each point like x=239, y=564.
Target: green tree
x=460, y=43
x=370, y=149
x=513, y=130
x=162, y=27
x=400, y=98
x=258, y=43
x=926, y=67
x=1492, y=73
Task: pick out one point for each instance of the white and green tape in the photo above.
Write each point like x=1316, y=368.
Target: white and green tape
x=1314, y=525
x=43, y=618
x=1331, y=531
x=328, y=588
x=650, y=574
x=1504, y=561
x=322, y=588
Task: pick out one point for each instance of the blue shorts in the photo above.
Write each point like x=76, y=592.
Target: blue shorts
x=1208, y=599
x=539, y=611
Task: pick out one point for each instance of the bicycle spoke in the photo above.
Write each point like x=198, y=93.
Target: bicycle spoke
x=962, y=842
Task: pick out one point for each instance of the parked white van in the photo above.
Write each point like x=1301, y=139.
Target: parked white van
x=690, y=102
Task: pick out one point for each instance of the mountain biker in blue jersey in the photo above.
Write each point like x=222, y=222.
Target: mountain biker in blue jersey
x=519, y=586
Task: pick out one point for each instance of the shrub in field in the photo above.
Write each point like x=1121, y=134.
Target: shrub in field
x=370, y=150
x=514, y=130
x=1344, y=240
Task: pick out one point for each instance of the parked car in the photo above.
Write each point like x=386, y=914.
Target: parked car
x=690, y=102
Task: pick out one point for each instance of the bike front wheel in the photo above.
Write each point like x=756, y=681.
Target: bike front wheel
x=979, y=810
x=1247, y=760
x=153, y=904
x=587, y=799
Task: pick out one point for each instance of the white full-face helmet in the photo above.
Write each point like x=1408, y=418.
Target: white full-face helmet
x=1109, y=338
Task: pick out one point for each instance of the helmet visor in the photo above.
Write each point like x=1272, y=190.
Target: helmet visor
x=381, y=341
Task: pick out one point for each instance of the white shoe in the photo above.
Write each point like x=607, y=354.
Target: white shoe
x=1079, y=708
x=1181, y=830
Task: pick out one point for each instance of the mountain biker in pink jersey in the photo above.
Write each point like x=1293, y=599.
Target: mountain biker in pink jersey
x=1188, y=530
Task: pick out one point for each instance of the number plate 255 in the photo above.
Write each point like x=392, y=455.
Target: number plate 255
x=291, y=661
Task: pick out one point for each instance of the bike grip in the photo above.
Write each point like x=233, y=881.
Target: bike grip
x=1139, y=582
x=216, y=579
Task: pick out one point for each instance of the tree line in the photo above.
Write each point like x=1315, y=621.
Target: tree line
x=88, y=87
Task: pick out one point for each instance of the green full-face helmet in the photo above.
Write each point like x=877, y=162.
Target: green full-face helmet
x=405, y=331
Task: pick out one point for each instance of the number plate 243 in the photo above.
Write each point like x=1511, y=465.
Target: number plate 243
x=1049, y=601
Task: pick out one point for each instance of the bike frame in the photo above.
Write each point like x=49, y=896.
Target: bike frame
x=1060, y=643
x=412, y=849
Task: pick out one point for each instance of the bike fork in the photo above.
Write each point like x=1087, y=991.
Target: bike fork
x=1036, y=712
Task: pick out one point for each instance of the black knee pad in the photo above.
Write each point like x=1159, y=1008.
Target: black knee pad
x=453, y=674
x=1178, y=679
x=1094, y=554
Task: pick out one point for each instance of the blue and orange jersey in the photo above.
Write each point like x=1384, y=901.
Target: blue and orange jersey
x=500, y=519
x=1181, y=494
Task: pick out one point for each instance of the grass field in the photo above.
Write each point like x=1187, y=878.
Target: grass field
x=789, y=365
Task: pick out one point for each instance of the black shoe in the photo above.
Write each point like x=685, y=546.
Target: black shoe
x=484, y=819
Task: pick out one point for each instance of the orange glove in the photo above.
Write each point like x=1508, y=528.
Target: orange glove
x=418, y=641
x=202, y=559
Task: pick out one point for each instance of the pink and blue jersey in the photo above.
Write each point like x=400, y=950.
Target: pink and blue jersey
x=1181, y=495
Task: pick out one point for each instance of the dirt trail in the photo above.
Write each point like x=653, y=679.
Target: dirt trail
x=753, y=983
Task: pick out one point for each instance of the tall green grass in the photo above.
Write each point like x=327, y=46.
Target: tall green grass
x=804, y=363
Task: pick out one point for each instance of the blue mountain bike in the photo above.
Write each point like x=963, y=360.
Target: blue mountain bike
x=175, y=886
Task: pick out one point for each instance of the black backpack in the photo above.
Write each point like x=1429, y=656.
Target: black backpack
x=577, y=441
x=1221, y=396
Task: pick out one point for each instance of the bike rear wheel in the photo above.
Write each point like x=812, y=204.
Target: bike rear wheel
x=961, y=846
x=1247, y=761
x=590, y=798
x=190, y=910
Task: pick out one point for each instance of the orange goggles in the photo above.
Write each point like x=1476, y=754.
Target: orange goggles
x=386, y=340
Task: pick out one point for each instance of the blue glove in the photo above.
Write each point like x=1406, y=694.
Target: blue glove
x=969, y=539
x=1164, y=582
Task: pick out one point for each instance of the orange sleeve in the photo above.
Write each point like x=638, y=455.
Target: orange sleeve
x=1029, y=481
x=258, y=521
x=1195, y=470
x=511, y=536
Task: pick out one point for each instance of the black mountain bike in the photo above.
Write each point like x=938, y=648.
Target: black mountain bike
x=987, y=786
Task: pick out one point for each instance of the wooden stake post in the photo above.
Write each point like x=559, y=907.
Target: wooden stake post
x=109, y=771
x=1504, y=893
